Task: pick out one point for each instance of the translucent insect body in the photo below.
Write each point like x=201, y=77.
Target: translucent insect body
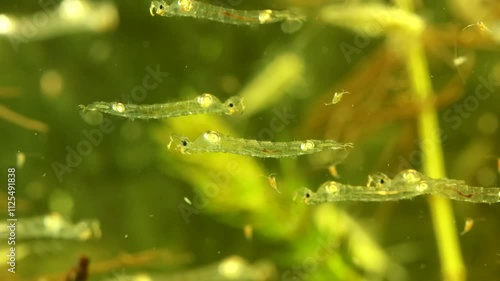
x=405, y=185
x=212, y=141
x=203, y=104
x=201, y=10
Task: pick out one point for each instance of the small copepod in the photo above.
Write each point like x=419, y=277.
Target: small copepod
x=482, y=26
x=333, y=171
x=20, y=159
x=458, y=61
x=337, y=97
x=469, y=223
x=248, y=231
x=272, y=181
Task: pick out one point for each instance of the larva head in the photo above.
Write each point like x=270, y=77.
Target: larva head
x=91, y=116
x=233, y=105
x=181, y=143
x=158, y=7
x=305, y=194
x=378, y=180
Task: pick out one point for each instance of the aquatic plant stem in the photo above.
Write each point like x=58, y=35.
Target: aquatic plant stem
x=450, y=255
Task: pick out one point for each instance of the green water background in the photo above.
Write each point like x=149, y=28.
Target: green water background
x=133, y=185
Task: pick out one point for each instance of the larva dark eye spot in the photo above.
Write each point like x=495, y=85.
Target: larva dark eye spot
x=231, y=104
x=308, y=195
x=382, y=181
x=160, y=7
x=184, y=143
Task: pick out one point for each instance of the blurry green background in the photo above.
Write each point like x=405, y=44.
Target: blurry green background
x=136, y=187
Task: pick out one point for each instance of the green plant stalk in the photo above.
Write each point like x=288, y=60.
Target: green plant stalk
x=433, y=166
x=453, y=268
